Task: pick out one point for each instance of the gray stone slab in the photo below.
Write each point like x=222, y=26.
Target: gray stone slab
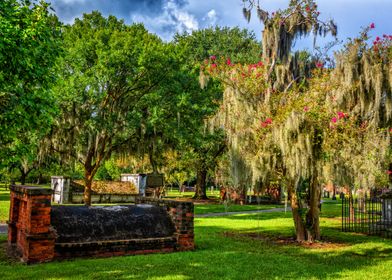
x=3, y=228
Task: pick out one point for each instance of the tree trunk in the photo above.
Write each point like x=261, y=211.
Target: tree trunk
x=88, y=181
x=313, y=214
x=201, y=189
x=333, y=192
x=39, y=179
x=23, y=178
x=23, y=175
x=296, y=210
x=307, y=227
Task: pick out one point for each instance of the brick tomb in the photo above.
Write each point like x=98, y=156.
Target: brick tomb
x=39, y=232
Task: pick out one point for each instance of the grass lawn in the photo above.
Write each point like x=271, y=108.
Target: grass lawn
x=218, y=208
x=177, y=194
x=242, y=246
x=4, y=205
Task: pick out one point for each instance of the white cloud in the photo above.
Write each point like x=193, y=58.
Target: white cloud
x=211, y=18
x=184, y=19
x=172, y=19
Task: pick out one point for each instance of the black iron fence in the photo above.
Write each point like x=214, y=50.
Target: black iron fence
x=371, y=216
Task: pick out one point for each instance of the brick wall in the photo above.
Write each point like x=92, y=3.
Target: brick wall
x=29, y=234
x=182, y=214
x=32, y=238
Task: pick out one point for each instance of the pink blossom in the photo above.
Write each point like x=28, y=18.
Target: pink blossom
x=229, y=62
x=213, y=65
x=341, y=115
x=334, y=120
x=267, y=122
x=319, y=64
x=306, y=108
x=389, y=172
x=372, y=25
x=212, y=57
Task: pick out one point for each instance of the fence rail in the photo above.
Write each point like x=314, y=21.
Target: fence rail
x=372, y=216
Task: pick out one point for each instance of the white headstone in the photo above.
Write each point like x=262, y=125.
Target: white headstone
x=60, y=186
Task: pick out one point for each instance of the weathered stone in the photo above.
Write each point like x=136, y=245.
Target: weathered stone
x=101, y=223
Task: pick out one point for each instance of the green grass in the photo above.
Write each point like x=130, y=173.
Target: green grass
x=224, y=251
x=4, y=204
x=218, y=208
x=177, y=194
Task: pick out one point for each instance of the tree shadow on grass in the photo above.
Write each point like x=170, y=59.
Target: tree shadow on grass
x=262, y=216
x=223, y=257
x=4, y=197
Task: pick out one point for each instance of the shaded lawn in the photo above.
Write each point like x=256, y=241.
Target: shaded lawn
x=177, y=194
x=222, y=256
x=218, y=208
x=4, y=204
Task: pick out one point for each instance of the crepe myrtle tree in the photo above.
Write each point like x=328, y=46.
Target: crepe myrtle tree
x=305, y=134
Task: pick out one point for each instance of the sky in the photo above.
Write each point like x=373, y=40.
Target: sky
x=166, y=17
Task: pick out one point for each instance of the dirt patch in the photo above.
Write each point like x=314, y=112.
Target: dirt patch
x=284, y=240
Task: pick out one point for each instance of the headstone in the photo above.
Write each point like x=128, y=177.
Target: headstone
x=139, y=180
x=61, y=188
x=144, y=181
x=386, y=208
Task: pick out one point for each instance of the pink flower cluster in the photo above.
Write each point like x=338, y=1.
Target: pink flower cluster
x=266, y=123
x=382, y=43
x=341, y=115
x=255, y=66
